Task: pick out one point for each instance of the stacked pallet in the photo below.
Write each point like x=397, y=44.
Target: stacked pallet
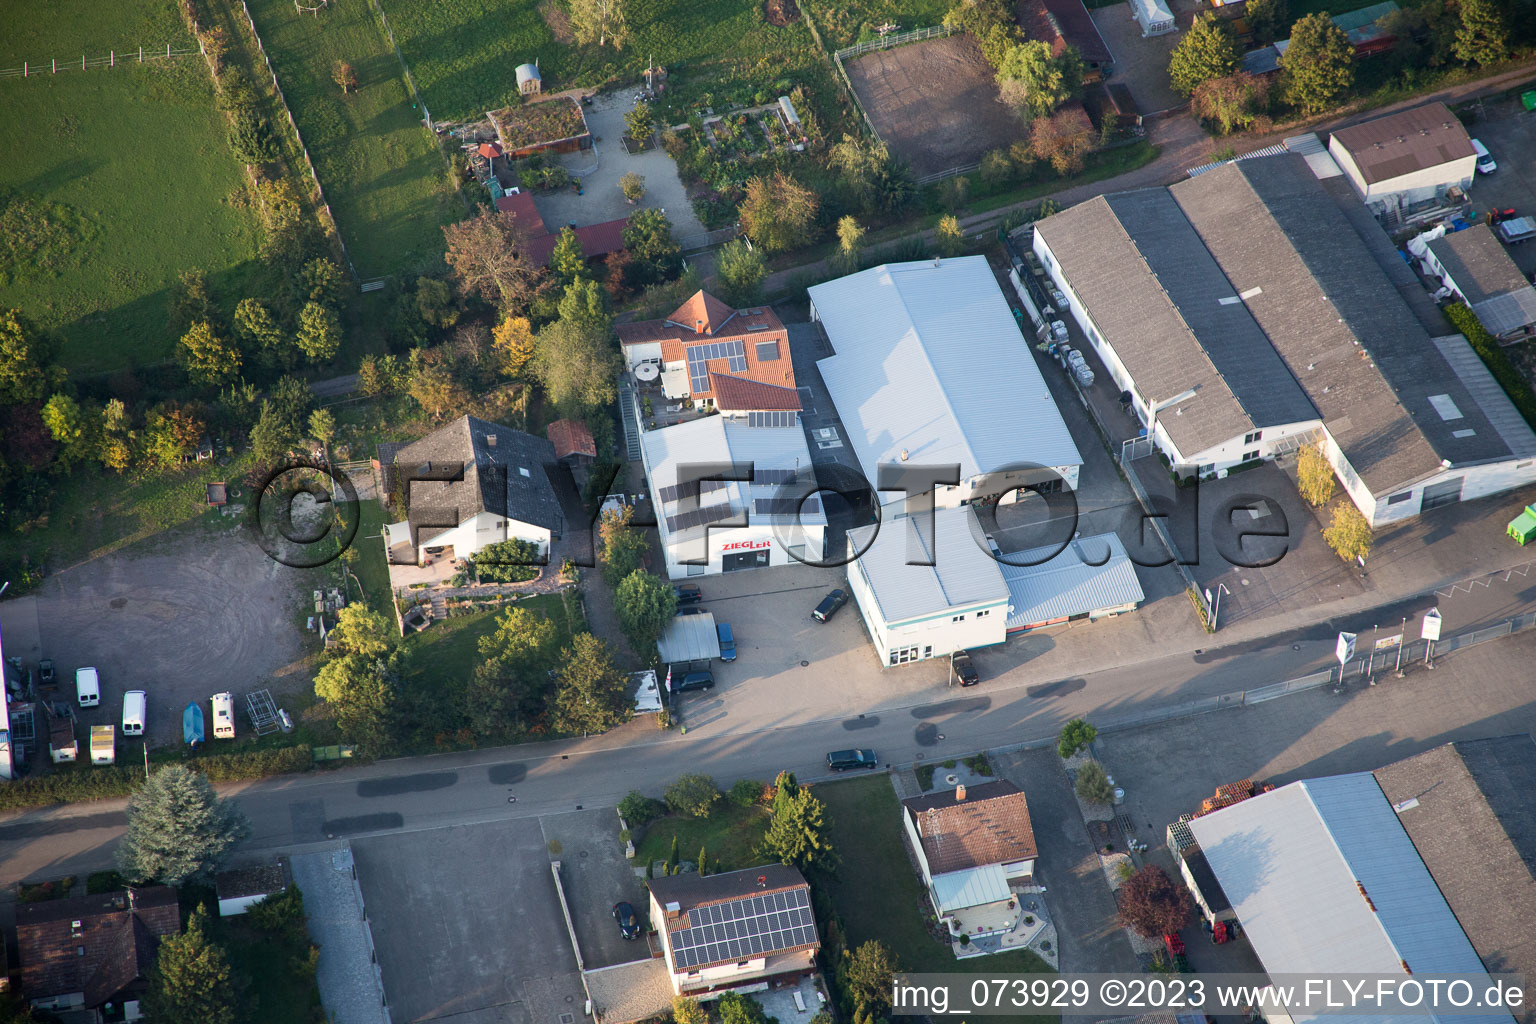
x=1229, y=793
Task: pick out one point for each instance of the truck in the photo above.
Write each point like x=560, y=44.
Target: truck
x=103, y=744
x=1516, y=230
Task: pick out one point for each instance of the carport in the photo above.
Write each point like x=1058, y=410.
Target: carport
x=690, y=638
x=1091, y=576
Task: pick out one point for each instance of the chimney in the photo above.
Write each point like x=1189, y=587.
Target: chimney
x=698, y=327
x=904, y=455
x=490, y=440
x=960, y=793
x=674, y=909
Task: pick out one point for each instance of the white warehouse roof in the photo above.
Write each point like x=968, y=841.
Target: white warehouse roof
x=1298, y=865
x=963, y=572
x=1043, y=587
x=931, y=362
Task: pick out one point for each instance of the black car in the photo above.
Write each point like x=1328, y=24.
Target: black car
x=845, y=760
x=694, y=681
x=829, y=605
x=691, y=611
x=629, y=924
x=965, y=672
x=687, y=593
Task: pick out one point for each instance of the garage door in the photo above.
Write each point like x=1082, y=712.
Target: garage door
x=1447, y=493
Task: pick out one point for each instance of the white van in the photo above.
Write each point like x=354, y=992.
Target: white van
x=1486, y=164
x=134, y=706
x=87, y=687
x=223, y=716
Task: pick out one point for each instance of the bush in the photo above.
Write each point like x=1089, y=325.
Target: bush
x=745, y=793
x=925, y=775
x=98, y=882
x=1093, y=784
x=638, y=809
x=508, y=561
x=1075, y=736
x=693, y=795
x=255, y=764
x=99, y=782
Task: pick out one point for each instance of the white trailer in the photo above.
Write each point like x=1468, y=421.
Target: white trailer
x=103, y=744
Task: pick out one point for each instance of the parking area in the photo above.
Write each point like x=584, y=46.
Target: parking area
x=468, y=927
x=181, y=616
x=1141, y=65
x=1509, y=132
x=596, y=875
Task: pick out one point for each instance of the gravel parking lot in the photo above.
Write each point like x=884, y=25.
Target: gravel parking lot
x=1509, y=132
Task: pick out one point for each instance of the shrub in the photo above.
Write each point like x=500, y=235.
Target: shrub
x=639, y=809
x=925, y=775
x=693, y=795
x=1093, y=784
x=1075, y=736
x=508, y=561
x=745, y=792
x=99, y=782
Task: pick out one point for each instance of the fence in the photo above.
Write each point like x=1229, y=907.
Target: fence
x=303, y=150
x=111, y=60
x=916, y=35
x=929, y=179
x=698, y=243
x=410, y=83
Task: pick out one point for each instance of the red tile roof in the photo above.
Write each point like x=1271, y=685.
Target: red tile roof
x=750, y=326
x=571, y=438
x=989, y=826
x=109, y=948
x=740, y=394
x=702, y=313
x=490, y=150
x=524, y=211
x=596, y=239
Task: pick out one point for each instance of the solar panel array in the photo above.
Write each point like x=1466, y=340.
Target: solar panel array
x=672, y=493
x=744, y=928
x=699, y=517
x=772, y=476
x=699, y=356
x=785, y=506
x=774, y=418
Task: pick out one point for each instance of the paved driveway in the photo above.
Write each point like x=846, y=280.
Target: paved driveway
x=1509, y=132
x=596, y=875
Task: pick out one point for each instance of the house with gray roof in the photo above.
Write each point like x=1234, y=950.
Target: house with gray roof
x=1477, y=267
x=1413, y=157
x=468, y=484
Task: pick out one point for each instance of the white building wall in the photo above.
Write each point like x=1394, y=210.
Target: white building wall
x=645, y=352
x=236, y=905
x=1409, y=188
x=935, y=636
x=725, y=540
x=1477, y=482
x=487, y=528
x=917, y=845
x=1230, y=453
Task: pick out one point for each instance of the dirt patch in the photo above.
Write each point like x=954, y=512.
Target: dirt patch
x=934, y=103
x=558, y=21
x=781, y=12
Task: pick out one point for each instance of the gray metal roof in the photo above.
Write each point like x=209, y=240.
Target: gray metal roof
x=1478, y=262
x=1068, y=584
x=689, y=638
x=930, y=361
x=1293, y=863
x=1470, y=809
x=1489, y=395
x=1509, y=312
x=1405, y=142
x=963, y=572
x=1336, y=319
x=476, y=466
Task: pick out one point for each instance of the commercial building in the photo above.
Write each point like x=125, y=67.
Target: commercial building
x=932, y=376
x=1477, y=267
x=973, y=845
x=735, y=931
x=1418, y=156
x=1249, y=312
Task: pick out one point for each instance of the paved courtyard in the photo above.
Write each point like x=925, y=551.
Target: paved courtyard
x=601, y=167
x=1141, y=65
x=596, y=875
x=1509, y=132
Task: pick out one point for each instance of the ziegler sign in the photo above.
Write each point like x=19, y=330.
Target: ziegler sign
x=746, y=545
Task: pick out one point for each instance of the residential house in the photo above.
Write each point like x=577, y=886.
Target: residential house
x=1064, y=23
x=1414, y=157
x=705, y=341
x=468, y=484
x=93, y=953
x=239, y=888
x=1477, y=267
x=973, y=845
x=597, y=240
x=738, y=930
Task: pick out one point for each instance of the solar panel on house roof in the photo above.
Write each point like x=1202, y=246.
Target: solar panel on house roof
x=675, y=492
x=772, y=476
x=744, y=928
x=699, y=517
x=699, y=356
x=785, y=506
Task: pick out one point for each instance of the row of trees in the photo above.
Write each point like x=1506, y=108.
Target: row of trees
x=1031, y=79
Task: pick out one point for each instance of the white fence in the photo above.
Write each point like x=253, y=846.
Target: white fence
x=916, y=35
x=52, y=66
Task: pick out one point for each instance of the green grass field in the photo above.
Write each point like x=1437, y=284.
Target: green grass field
x=381, y=171
x=730, y=837
x=846, y=22
x=120, y=176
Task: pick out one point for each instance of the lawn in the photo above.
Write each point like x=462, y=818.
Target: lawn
x=730, y=837
x=450, y=649
x=120, y=176
x=876, y=890
x=381, y=170
x=372, y=566
x=280, y=982
x=854, y=21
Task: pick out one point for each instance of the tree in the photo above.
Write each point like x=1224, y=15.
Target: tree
x=343, y=75
x=699, y=864
x=511, y=680
x=323, y=282
x=1269, y=19
x=1318, y=67
x=208, y=358
x=693, y=795
x=284, y=415
x=622, y=545
x=190, y=301
x=639, y=122
x=512, y=342
x=190, y=982
x=256, y=328
x=488, y=255
x=632, y=185
x=23, y=360
x=250, y=136
x=949, y=235
x=673, y=856
x=567, y=261
x=171, y=432
x=1483, y=36
x=598, y=21
x=739, y=271
x=1233, y=103
x=657, y=256
x=363, y=693
x=645, y=603
x=1075, y=736
x=576, y=363
x=1208, y=50
x=639, y=810
x=1154, y=904
x=1314, y=476
x=380, y=375
x=954, y=192
x=319, y=332
x=850, y=245
x=590, y=695
x=688, y=1011
x=778, y=212
x=862, y=167
x=1063, y=140
x=867, y=976
x=322, y=426
x=178, y=829
x=797, y=833
x=76, y=430
x=1348, y=533
x=434, y=384
x=996, y=168
x=1093, y=784
x=735, y=1008
x=1044, y=80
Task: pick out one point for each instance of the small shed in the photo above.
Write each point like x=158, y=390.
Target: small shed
x=529, y=82
x=1153, y=16
x=573, y=442
x=239, y=888
x=690, y=638
x=218, y=494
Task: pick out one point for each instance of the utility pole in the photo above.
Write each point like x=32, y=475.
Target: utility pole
x=1402, y=641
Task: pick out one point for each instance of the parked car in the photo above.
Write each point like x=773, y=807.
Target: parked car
x=965, y=671
x=629, y=924
x=46, y=671
x=727, y=641
x=829, y=605
x=695, y=610
x=700, y=680
x=846, y=760
x=135, y=705
x=1485, y=161
x=687, y=593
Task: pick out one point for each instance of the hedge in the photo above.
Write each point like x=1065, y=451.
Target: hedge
x=99, y=782
x=1510, y=379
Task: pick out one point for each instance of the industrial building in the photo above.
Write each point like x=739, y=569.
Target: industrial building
x=1477, y=267
x=1414, y=157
